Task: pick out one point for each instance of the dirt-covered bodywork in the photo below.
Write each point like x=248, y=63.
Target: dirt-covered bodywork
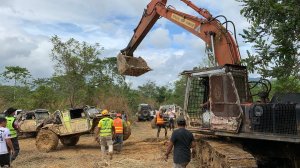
x=172, y=107
x=67, y=126
x=32, y=121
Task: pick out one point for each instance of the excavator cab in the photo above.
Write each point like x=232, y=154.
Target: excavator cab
x=131, y=66
x=214, y=97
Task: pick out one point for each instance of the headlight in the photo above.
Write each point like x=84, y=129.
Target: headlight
x=258, y=111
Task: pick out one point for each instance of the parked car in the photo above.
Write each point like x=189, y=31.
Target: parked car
x=145, y=112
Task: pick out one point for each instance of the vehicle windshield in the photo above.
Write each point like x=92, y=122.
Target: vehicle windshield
x=166, y=107
x=92, y=111
x=41, y=116
x=144, y=107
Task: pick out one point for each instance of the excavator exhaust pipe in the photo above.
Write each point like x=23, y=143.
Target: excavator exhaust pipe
x=131, y=66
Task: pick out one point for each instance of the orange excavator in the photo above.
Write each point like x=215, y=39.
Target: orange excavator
x=221, y=44
x=232, y=128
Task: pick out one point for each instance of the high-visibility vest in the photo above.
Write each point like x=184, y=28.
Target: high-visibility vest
x=118, y=124
x=9, y=125
x=106, y=126
x=159, y=120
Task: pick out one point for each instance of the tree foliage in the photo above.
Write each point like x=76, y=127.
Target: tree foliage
x=104, y=72
x=148, y=89
x=17, y=74
x=82, y=78
x=179, y=91
x=274, y=30
x=73, y=64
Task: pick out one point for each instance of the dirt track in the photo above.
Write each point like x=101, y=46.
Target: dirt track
x=140, y=150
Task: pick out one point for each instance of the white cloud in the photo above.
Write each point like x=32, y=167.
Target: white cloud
x=159, y=38
x=27, y=26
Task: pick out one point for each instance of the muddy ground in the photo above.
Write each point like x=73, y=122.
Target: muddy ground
x=140, y=150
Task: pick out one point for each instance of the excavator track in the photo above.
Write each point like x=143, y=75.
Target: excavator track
x=217, y=153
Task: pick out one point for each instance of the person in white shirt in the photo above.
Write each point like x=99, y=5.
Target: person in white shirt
x=5, y=142
x=172, y=116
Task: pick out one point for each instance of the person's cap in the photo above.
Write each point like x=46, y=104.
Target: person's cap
x=10, y=110
x=119, y=115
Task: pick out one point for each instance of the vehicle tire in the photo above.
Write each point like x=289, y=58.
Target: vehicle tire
x=153, y=124
x=46, y=140
x=69, y=140
x=127, y=133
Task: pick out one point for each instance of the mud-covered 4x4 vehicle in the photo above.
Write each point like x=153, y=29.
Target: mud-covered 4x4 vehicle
x=173, y=107
x=144, y=112
x=32, y=121
x=67, y=126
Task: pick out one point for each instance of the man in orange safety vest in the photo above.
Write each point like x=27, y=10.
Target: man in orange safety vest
x=119, y=125
x=160, y=123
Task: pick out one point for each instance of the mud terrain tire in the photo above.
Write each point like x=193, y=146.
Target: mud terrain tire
x=46, y=140
x=69, y=140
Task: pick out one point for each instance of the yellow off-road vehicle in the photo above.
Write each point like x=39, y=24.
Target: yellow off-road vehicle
x=67, y=126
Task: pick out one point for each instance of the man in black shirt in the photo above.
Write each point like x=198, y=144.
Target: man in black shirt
x=183, y=142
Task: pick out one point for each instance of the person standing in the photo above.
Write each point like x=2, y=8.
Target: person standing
x=12, y=125
x=119, y=126
x=183, y=141
x=172, y=116
x=105, y=128
x=160, y=123
x=5, y=141
x=124, y=116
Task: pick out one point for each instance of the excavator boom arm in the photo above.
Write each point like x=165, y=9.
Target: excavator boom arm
x=209, y=29
x=149, y=18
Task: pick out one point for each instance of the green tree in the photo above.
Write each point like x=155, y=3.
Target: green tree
x=73, y=62
x=284, y=86
x=163, y=94
x=274, y=30
x=17, y=74
x=105, y=73
x=179, y=91
x=159, y=94
x=47, y=94
x=148, y=89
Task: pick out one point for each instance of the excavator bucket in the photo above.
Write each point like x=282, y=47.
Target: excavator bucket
x=132, y=66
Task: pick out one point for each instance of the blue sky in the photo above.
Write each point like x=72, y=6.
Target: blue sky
x=26, y=28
